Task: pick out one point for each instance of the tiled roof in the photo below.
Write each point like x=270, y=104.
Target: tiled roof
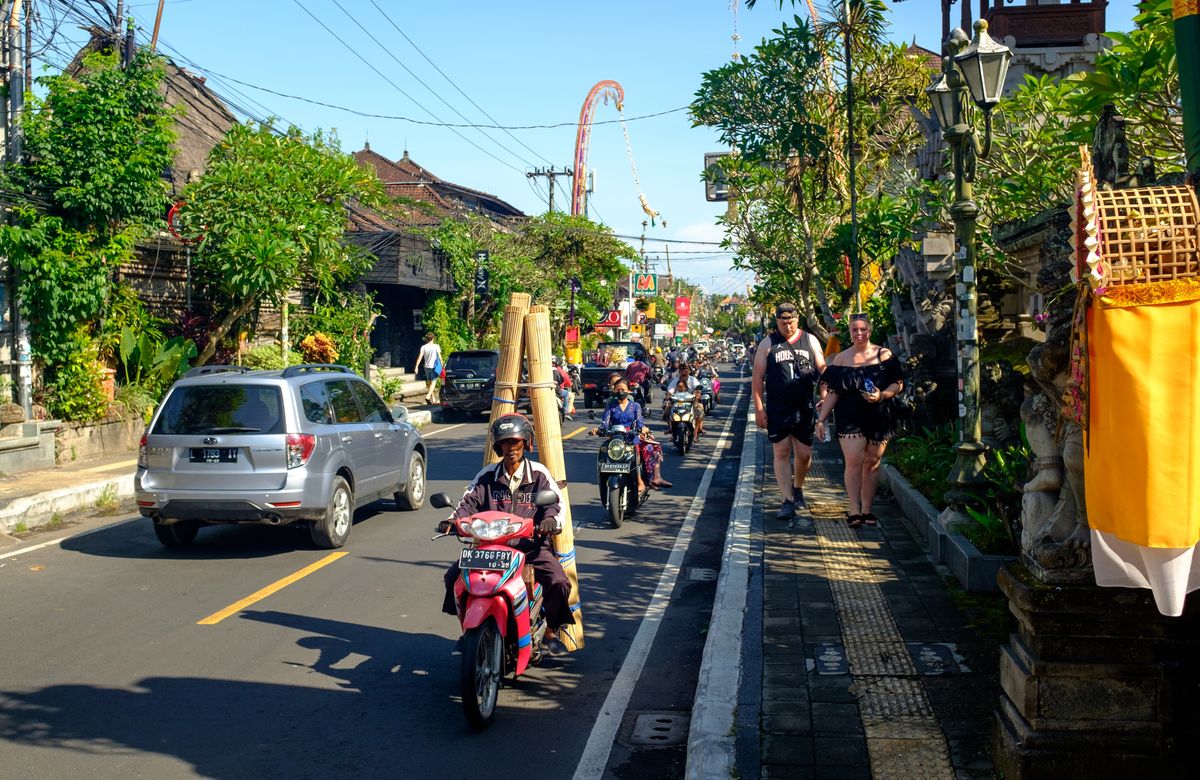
x=933, y=60
x=405, y=178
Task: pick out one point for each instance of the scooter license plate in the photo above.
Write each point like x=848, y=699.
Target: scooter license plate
x=471, y=558
x=614, y=468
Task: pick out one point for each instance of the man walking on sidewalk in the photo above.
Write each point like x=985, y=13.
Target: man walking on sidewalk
x=429, y=366
x=787, y=364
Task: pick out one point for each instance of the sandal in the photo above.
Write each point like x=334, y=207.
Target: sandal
x=854, y=521
x=869, y=518
x=661, y=484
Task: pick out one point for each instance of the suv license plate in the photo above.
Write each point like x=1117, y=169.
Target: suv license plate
x=474, y=558
x=471, y=385
x=213, y=455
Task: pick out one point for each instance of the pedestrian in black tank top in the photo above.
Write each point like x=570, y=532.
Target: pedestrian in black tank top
x=787, y=365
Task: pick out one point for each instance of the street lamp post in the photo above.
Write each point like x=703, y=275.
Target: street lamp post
x=974, y=69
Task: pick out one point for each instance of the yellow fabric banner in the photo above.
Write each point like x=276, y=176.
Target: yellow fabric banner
x=1142, y=462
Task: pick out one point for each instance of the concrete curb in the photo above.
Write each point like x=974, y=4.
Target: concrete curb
x=922, y=515
x=40, y=509
x=710, y=747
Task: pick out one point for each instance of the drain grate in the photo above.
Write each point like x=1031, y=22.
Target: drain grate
x=702, y=575
x=660, y=729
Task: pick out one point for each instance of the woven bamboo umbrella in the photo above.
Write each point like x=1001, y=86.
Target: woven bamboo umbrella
x=508, y=372
x=550, y=453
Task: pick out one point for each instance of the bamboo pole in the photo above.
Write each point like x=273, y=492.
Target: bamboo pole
x=508, y=372
x=550, y=453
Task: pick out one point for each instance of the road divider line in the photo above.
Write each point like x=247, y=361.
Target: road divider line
x=612, y=712
x=575, y=432
x=443, y=430
x=278, y=585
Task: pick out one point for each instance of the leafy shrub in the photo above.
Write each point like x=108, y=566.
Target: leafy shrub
x=925, y=459
x=153, y=363
x=76, y=390
x=319, y=348
x=264, y=356
x=389, y=386
x=134, y=401
x=347, y=323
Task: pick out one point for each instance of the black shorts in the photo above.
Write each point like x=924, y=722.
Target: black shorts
x=797, y=424
x=429, y=374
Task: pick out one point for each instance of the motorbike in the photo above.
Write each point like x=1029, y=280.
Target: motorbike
x=617, y=466
x=499, y=605
x=706, y=394
x=682, y=422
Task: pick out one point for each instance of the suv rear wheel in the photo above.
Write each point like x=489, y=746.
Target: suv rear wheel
x=332, y=530
x=177, y=535
x=413, y=495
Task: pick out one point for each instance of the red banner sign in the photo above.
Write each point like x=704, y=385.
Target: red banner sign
x=683, y=306
x=572, y=335
x=611, y=320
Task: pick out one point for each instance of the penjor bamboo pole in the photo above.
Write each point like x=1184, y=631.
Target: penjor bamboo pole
x=508, y=372
x=550, y=453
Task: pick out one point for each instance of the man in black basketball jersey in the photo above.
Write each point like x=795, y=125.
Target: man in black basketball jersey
x=787, y=365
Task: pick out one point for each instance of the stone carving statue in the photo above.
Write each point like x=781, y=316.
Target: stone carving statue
x=1055, y=538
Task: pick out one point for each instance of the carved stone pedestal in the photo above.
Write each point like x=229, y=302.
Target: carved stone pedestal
x=1096, y=683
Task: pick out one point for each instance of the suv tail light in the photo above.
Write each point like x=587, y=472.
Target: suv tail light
x=300, y=448
x=142, y=452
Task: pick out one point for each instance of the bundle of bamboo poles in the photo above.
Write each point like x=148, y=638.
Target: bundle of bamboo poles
x=525, y=332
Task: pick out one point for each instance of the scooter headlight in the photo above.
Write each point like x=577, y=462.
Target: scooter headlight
x=617, y=449
x=493, y=529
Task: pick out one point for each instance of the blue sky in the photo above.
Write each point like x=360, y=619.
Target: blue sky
x=523, y=63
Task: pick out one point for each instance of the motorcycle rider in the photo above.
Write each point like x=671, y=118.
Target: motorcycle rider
x=511, y=486
x=562, y=381
x=638, y=373
x=622, y=410
x=684, y=381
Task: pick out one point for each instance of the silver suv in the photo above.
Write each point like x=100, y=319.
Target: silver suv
x=307, y=444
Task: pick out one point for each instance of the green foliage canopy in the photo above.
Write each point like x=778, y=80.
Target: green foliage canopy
x=269, y=215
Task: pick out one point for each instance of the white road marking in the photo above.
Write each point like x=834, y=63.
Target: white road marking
x=612, y=712
x=60, y=540
x=443, y=430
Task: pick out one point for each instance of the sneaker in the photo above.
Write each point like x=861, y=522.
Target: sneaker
x=787, y=510
x=800, y=502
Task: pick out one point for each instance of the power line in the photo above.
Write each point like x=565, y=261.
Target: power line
x=451, y=81
x=422, y=82
x=397, y=87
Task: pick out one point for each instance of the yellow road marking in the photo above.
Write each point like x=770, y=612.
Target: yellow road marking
x=575, y=432
x=238, y=606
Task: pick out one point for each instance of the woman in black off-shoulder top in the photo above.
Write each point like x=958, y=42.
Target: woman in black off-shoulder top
x=860, y=379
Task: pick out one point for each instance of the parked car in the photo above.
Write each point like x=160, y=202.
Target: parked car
x=308, y=443
x=470, y=382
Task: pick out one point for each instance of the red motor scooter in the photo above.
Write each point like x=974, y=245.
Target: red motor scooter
x=499, y=604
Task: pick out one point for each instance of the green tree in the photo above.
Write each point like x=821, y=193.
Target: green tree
x=269, y=215
x=783, y=108
x=540, y=257
x=95, y=149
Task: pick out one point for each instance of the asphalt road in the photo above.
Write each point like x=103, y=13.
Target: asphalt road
x=349, y=671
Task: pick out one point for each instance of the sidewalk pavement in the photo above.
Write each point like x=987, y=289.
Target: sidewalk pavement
x=866, y=667
x=35, y=499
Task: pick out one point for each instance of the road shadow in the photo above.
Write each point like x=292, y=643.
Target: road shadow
x=136, y=539
x=365, y=702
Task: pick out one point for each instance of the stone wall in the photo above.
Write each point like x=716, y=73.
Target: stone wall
x=111, y=436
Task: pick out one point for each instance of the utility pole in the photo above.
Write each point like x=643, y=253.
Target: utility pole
x=28, y=43
x=16, y=106
x=157, y=22
x=550, y=174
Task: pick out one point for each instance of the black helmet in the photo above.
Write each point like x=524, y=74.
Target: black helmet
x=512, y=426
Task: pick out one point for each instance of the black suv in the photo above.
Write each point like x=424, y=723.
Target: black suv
x=471, y=382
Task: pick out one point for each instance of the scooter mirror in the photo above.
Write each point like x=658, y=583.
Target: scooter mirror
x=545, y=498
x=440, y=501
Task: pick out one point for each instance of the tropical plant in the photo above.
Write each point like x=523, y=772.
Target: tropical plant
x=318, y=348
x=269, y=215
x=925, y=458
x=152, y=363
x=347, y=320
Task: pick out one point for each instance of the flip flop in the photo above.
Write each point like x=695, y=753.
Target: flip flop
x=854, y=521
x=869, y=518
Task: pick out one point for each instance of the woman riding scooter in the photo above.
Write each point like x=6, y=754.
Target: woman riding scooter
x=627, y=412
